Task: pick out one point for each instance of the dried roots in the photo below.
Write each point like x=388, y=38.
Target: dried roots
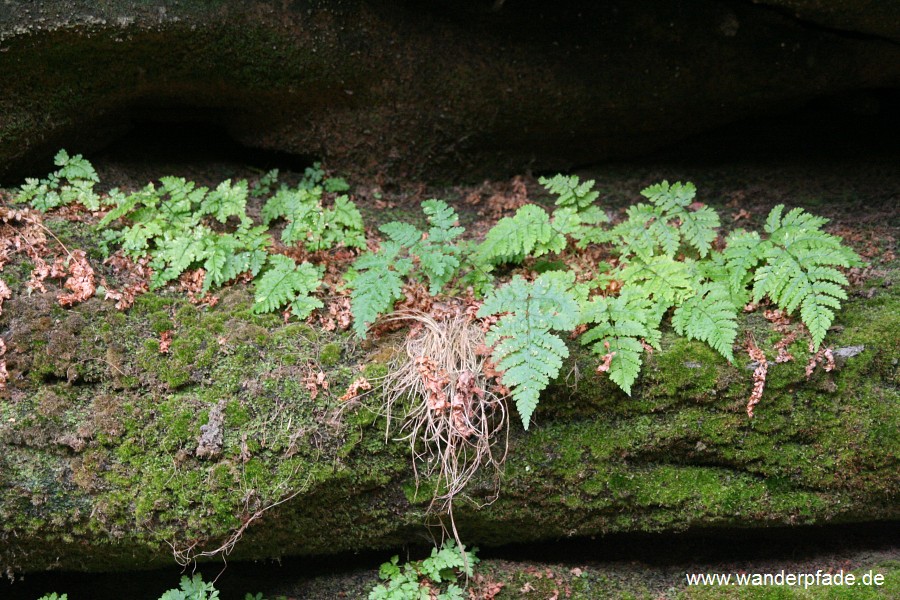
x=451, y=416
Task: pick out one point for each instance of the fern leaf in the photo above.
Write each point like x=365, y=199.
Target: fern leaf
x=530, y=357
x=344, y=225
x=662, y=277
x=619, y=325
x=528, y=233
x=743, y=251
x=404, y=234
x=698, y=228
x=174, y=254
x=799, y=269
x=74, y=168
x=571, y=193
x=225, y=201
x=441, y=216
x=670, y=197
x=645, y=231
x=524, y=346
x=710, y=317
x=285, y=282
x=376, y=284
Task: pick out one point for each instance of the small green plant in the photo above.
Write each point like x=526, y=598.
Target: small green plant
x=377, y=278
x=53, y=596
x=73, y=182
x=309, y=222
x=525, y=347
x=433, y=577
x=192, y=589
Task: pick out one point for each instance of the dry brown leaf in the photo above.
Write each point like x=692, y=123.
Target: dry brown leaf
x=823, y=355
x=359, y=385
x=5, y=294
x=165, y=341
x=759, y=375
x=605, y=360
x=315, y=381
x=80, y=281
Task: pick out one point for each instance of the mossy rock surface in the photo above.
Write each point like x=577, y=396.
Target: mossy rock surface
x=99, y=431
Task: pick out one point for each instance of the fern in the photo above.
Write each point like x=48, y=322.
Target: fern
x=664, y=279
x=525, y=348
x=435, y=251
x=285, y=282
x=73, y=182
x=799, y=269
x=226, y=201
x=709, y=316
x=528, y=233
x=376, y=282
x=571, y=193
x=619, y=326
x=309, y=222
x=667, y=223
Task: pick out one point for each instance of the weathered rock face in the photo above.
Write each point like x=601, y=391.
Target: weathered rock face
x=451, y=89
x=103, y=460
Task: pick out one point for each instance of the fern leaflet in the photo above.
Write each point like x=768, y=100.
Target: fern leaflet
x=376, y=283
x=285, y=282
x=710, y=316
x=800, y=269
x=525, y=348
x=528, y=233
x=620, y=324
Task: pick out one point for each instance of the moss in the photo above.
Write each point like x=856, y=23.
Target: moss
x=330, y=354
x=679, y=454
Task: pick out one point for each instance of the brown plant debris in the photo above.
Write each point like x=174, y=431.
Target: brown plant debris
x=605, y=360
x=80, y=281
x=5, y=294
x=450, y=413
x=315, y=381
x=824, y=355
x=165, y=341
x=135, y=275
x=359, y=385
x=759, y=375
x=192, y=283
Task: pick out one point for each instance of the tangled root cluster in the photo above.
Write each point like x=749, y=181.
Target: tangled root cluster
x=451, y=410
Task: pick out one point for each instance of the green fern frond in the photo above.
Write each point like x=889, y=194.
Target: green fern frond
x=527, y=233
x=264, y=186
x=79, y=177
x=662, y=277
x=525, y=348
x=442, y=218
x=74, y=168
x=403, y=234
x=743, y=251
x=285, y=282
x=225, y=201
x=571, y=193
x=174, y=254
x=644, y=232
x=698, y=228
x=711, y=317
x=344, y=225
x=376, y=282
x=670, y=198
x=621, y=323
x=800, y=269
x=668, y=222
